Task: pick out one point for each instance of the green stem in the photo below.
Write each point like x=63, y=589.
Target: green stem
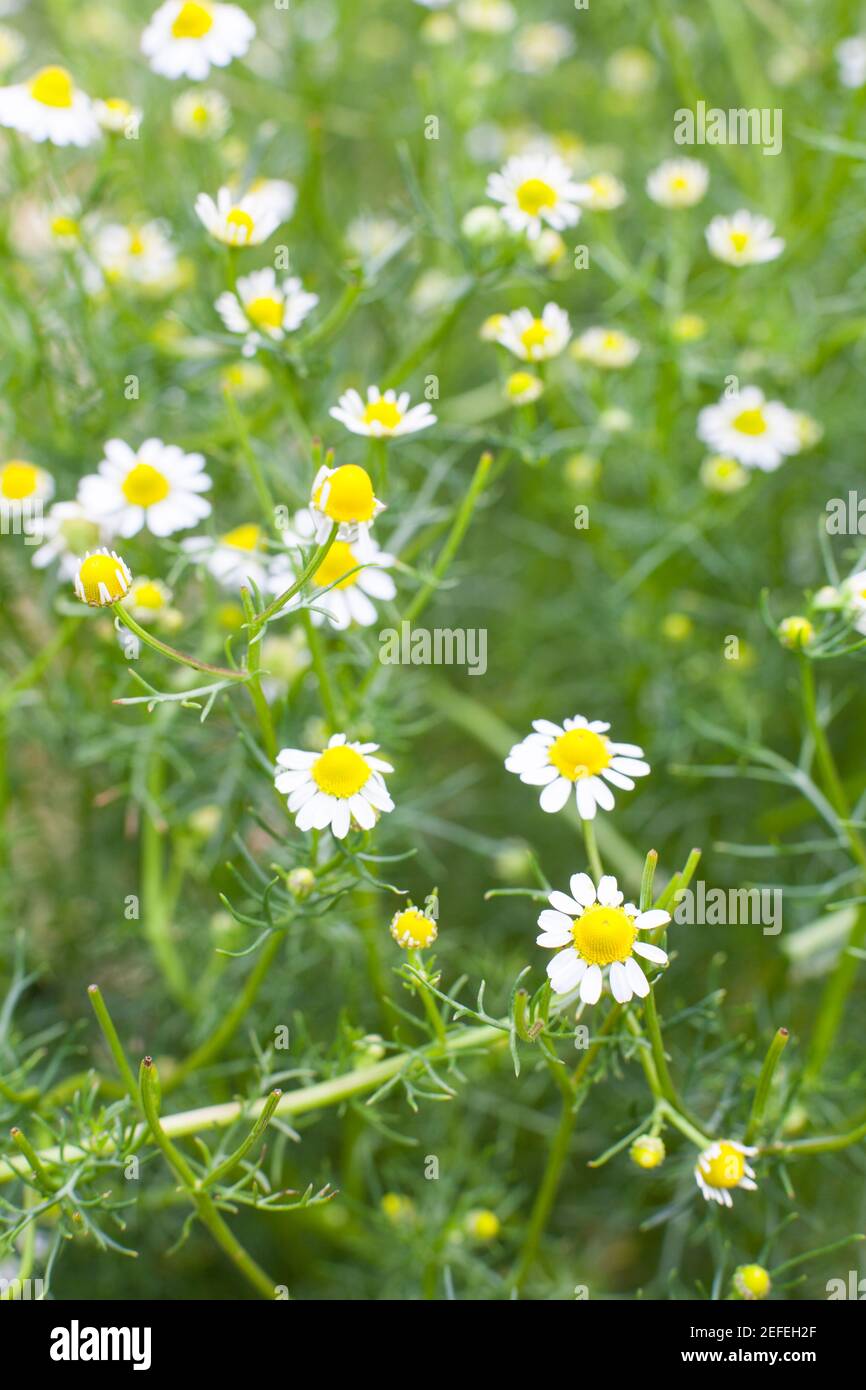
x=223, y=1169
x=592, y=853
x=454, y=538
x=765, y=1082
x=308, y=571
x=172, y=653
x=155, y=921
x=426, y=997
x=106, y=1023
x=263, y=492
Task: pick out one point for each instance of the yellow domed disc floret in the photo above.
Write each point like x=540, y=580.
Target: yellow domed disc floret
x=603, y=935
x=340, y=772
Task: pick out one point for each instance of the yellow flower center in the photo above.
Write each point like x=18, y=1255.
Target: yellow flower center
x=340, y=772
x=148, y=595
x=413, y=928
x=382, y=412
x=136, y=244
x=245, y=225
x=536, y=335
x=52, y=87
x=535, y=194
x=484, y=1224
x=244, y=537
x=64, y=226
x=612, y=342
x=752, y=1280
x=18, y=480
x=603, y=935
x=102, y=571
x=579, y=753
x=193, y=21
x=119, y=106
x=726, y=1169
x=750, y=422
x=519, y=383
x=144, y=486
x=679, y=183
x=739, y=240
x=338, y=561
x=600, y=185
x=265, y=312
x=200, y=115
x=350, y=494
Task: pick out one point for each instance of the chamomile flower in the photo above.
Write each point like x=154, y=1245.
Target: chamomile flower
x=492, y=327
x=647, y=1151
x=149, y=600
x=751, y=1282
x=721, y=1168
x=23, y=486
x=234, y=559
x=102, y=578
x=522, y=388
x=578, y=758
x=413, y=928
x=66, y=533
x=350, y=576
x=263, y=308
x=756, y=432
x=384, y=415
x=592, y=931
x=118, y=116
x=534, y=189
x=601, y=193
x=605, y=347
x=185, y=38
x=487, y=16
x=535, y=339
x=678, y=183
x=850, y=54
x=201, y=114
x=852, y=598
x=341, y=787
x=483, y=1225
x=158, y=487
x=541, y=47
x=344, y=495
x=721, y=474
x=744, y=239
x=247, y=220
x=141, y=257
x=49, y=107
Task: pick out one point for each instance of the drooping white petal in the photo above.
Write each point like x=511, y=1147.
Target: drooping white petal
x=585, y=799
x=565, y=971
x=590, y=985
x=636, y=978
x=650, y=952
x=555, y=795
x=619, y=983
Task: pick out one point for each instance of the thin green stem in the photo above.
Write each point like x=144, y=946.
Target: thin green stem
x=765, y=1082
x=427, y=999
x=172, y=653
x=106, y=1023
x=592, y=854
x=308, y=571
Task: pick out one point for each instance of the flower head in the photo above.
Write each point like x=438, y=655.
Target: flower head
x=602, y=193
x=118, y=116
x=795, y=632
x=535, y=189
x=341, y=787
x=350, y=577
x=678, y=183
x=103, y=578
x=247, y=220
x=235, y=558
x=577, y=758
x=483, y=1225
x=605, y=347
x=751, y=1282
x=263, y=308
x=747, y=427
x=21, y=485
x=721, y=1168
x=344, y=495
x=743, y=239
x=534, y=339
x=384, y=415
x=185, y=38
x=157, y=487
x=591, y=931
x=413, y=928
x=49, y=107
x=66, y=533
x=647, y=1151
x=150, y=600
x=201, y=115
x=721, y=474
x=522, y=388
x=139, y=256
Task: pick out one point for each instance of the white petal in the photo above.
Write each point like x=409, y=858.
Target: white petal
x=608, y=893
x=656, y=917
x=544, y=726
x=555, y=795
x=564, y=904
x=632, y=767
x=602, y=793
x=650, y=952
x=340, y=820
x=582, y=889
x=590, y=985
x=619, y=983
x=565, y=970
x=551, y=921
x=636, y=978
x=618, y=779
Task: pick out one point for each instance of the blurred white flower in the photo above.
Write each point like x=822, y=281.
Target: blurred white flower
x=383, y=414
x=533, y=190
x=185, y=38
x=351, y=577
x=850, y=54
x=541, y=47
x=605, y=347
x=534, y=339
x=487, y=16
x=743, y=239
x=49, y=107
x=137, y=256
x=263, y=308
x=201, y=114
x=747, y=427
x=234, y=559
x=247, y=220
x=602, y=193
x=678, y=183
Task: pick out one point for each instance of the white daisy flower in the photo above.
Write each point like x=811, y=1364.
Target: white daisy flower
x=118, y=116
x=185, y=38
x=593, y=930
x=756, y=432
x=49, y=107
x=601, y=193
x=540, y=47
x=852, y=597
x=158, y=488
x=743, y=239
x=577, y=757
x=487, y=16
x=142, y=257
x=235, y=559
x=383, y=415
x=606, y=347
x=201, y=114
x=374, y=240
x=678, y=183
x=533, y=339
x=279, y=193
x=722, y=1167
x=344, y=495
x=66, y=533
x=534, y=189
x=247, y=220
x=350, y=589
x=102, y=578
x=264, y=309
x=342, y=787
x=724, y=475
x=23, y=485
